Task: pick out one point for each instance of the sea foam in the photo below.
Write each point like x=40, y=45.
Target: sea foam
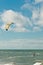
x=37, y=63
x=7, y=64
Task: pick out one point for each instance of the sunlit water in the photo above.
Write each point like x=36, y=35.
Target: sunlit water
x=20, y=57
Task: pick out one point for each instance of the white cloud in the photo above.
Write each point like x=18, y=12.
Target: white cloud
x=20, y=21
x=37, y=12
x=21, y=29
x=3, y=27
x=26, y=1
x=40, y=22
x=36, y=29
x=22, y=44
x=7, y=16
x=38, y=1
x=37, y=16
x=17, y=18
x=27, y=6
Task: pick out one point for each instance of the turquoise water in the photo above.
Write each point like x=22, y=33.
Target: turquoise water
x=20, y=57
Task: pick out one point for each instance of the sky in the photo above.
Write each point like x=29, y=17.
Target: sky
x=26, y=32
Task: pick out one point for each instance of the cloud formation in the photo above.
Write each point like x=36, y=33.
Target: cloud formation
x=36, y=9
x=37, y=16
x=18, y=19
x=38, y=1
x=36, y=29
x=24, y=23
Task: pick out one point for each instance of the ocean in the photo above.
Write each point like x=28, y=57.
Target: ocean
x=20, y=57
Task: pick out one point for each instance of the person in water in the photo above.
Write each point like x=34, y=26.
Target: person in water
x=34, y=54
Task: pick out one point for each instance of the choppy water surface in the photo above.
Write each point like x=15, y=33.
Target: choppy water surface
x=20, y=57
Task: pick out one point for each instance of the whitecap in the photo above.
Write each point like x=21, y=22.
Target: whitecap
x=8, y=64
x=37, y=63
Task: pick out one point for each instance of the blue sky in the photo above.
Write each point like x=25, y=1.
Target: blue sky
x=27, y=30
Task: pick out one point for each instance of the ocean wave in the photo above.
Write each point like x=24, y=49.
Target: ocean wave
x=8, y=63
x=37, y=63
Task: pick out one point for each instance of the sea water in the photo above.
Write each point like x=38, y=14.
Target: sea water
x=20, y=57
